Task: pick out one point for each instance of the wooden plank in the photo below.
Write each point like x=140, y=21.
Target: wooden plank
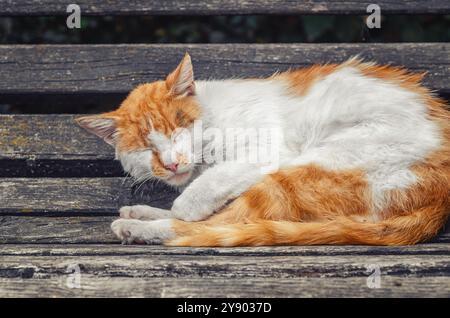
x=214, y=7
x=52, y=146
x=75, y=230
x=58, y=230
x=110, y=69
x=76, y=195
x=63, y=195
x=49, y=137
x=249, y=287
x=118, y=250
x=227, y=267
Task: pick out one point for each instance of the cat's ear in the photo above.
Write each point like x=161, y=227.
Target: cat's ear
x=101, y=125
x=181, y=81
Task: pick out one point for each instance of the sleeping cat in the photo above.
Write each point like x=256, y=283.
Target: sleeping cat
x=363, y=158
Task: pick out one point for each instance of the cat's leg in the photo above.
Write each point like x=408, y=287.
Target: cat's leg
x=144, y=212
x=138, y=231
x=208, y=193
x=302, y=194
x=213, y=189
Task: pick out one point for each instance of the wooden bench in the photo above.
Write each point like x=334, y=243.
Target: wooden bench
x=60, y=187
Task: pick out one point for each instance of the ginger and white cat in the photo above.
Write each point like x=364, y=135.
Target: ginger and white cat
x=364, y=158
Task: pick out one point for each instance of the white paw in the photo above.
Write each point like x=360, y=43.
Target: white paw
x=143, y=212
x=133, y=211
x=128, y=231
x=141, y=232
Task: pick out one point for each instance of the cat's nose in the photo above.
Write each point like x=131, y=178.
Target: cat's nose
x=172, y=167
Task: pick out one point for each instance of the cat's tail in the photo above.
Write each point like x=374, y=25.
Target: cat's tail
x=420, y=225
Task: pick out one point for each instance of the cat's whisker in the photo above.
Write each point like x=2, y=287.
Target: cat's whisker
x=126, y=178
x=141, y=179
x=142, y=182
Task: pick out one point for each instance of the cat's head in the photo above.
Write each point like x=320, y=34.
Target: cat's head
x=145, y=129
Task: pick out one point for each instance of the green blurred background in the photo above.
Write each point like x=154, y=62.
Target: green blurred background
x=220, y=29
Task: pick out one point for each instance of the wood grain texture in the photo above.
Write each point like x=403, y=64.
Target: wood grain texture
x=49, y=137
x=249, y=287
x=212, y=7
x=102, y=69
x=178, y=266
x=150, y=250
x=58, y=230
x=30, y=229
x=157, y=271
x=63, y=195
x=76, y=195
x=52, y=146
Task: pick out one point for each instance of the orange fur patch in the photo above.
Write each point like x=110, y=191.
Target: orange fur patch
x=309, y=193
x=301, y=80
x=151, y=106
x=393, y=74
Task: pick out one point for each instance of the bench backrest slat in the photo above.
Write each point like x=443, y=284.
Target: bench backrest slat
x=220, y=7
x=101, y=69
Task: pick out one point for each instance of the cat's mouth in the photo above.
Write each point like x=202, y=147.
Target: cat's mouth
x=179, y=178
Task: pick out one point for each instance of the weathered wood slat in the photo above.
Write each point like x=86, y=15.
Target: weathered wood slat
x=58, y=230
x=227, y=267
x=249, y=287
x=72, y=230
x=57, y=168
x=81, y=250
x=63, y=195
x=155, y=271
x=52, y=146
x=49, y=137
x=94, y=69
x=75, y=195
x=212, y=7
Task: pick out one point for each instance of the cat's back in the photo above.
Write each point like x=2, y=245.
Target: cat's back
x=355, y=89
x=360, y=101
x=383, y=109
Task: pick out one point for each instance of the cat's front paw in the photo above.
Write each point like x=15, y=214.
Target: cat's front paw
x=128, y=231
x=143, y=212
x=142, y=232
x=138, y=212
